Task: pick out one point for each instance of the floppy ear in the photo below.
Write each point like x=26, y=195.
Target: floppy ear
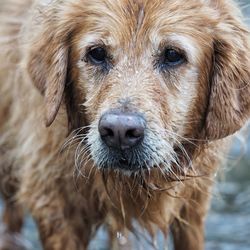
x=47, y=66
x=229, y=103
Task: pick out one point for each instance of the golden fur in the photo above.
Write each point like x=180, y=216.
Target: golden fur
x=190, y=109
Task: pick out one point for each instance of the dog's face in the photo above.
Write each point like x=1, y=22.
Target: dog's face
x=141, y=75
x=148, y=76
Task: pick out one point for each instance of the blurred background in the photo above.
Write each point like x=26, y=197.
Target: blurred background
x=228, y=223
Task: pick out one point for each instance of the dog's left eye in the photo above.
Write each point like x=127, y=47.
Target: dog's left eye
x=97, y=55
x=173, y=58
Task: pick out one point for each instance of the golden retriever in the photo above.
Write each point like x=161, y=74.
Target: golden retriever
x=137, y=97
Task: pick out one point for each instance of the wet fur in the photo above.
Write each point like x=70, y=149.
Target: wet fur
x=61, y=172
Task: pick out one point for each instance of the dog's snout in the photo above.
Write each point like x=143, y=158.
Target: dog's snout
x=121, y=130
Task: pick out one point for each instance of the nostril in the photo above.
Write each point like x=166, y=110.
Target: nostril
x=106, y=132
x=133, y=133
x=129, y=133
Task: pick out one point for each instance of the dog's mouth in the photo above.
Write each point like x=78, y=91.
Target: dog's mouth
x=125, y=164
x=137, y=159
x=127, y=161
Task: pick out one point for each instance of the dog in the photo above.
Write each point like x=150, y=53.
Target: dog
x=116, y=113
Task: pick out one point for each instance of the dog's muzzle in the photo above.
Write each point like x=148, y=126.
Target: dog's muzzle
x=125, y=141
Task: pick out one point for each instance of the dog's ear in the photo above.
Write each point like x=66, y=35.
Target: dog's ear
x=47, y=66
x=229, y=101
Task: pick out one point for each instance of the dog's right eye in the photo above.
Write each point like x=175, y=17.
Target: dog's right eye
x=173, y=58
x=97, y=56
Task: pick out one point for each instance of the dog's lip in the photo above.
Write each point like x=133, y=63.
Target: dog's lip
x=124, y=163
x=123, y=160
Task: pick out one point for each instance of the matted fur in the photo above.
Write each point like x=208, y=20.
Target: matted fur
x=63, y=179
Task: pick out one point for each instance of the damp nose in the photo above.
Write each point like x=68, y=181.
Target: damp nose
x=122, y=130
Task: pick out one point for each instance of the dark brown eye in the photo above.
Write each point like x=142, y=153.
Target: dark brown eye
x=173, y=57
x=97, y=56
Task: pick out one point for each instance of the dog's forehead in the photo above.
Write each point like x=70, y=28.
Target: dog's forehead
x=121, y=21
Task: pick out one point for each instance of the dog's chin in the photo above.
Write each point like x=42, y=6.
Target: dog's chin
x=123, y=166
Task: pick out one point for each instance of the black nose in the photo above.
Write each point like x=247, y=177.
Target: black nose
x=122, y=130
